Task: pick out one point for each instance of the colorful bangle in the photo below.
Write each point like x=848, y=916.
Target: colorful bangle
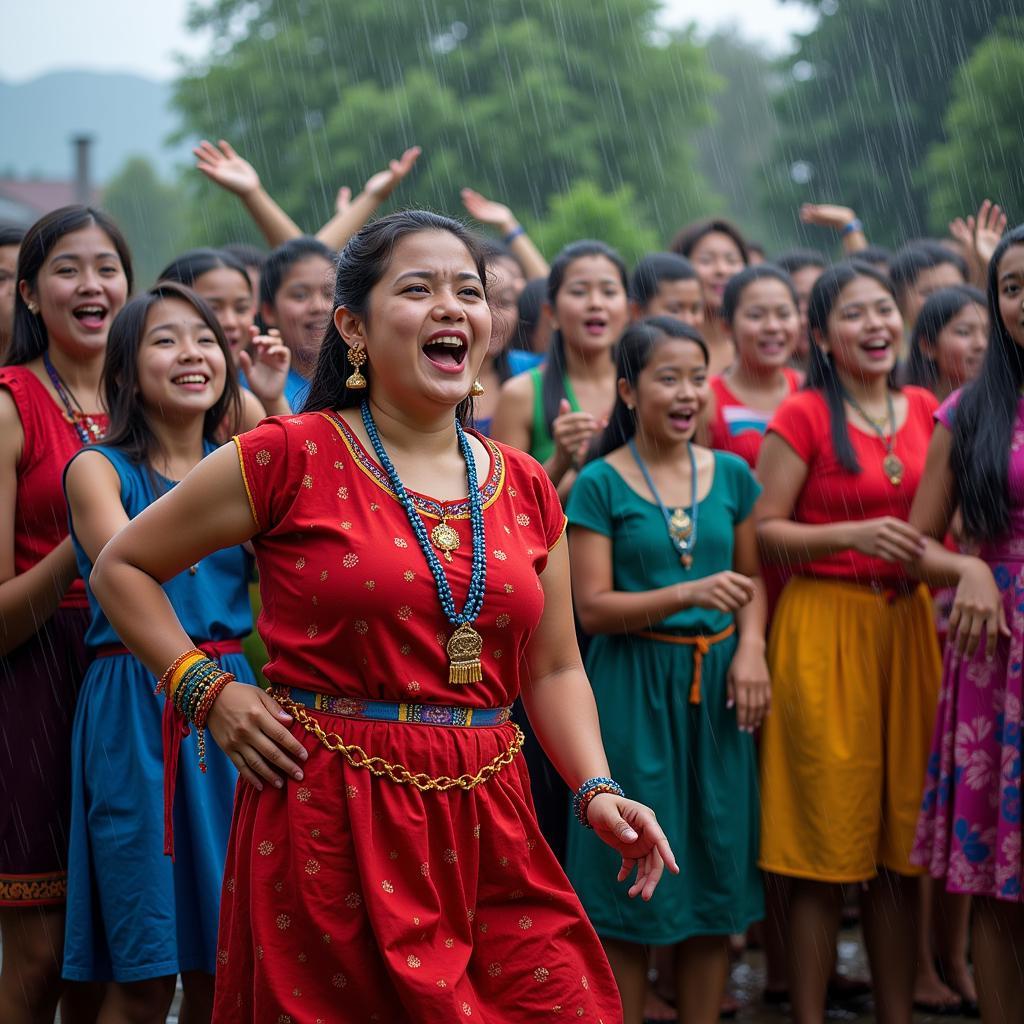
x=590, y=789
x=514, y=234
x=209, y=696
x=172, y=674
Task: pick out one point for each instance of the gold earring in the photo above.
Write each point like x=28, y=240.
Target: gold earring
x=477, y=390
x=357, y=357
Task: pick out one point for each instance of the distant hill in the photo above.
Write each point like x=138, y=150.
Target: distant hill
x=126, y=114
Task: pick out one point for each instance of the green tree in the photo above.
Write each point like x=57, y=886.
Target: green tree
x=980, y=156
x=517, y=98
x=865, y=97
x=151, y=215
x=586, y=211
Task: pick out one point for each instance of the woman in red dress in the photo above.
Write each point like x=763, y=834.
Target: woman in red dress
x=384, y=854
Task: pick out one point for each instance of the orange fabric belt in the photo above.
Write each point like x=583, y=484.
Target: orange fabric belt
x=702, y=645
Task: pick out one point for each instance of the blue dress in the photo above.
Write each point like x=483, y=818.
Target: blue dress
x=296, y=389
x=132, y=913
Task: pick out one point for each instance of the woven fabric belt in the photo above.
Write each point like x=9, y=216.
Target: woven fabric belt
x=389, y=711
x=701, y=645
x=215, y=649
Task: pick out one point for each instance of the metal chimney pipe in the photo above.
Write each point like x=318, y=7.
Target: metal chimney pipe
x=83, y=187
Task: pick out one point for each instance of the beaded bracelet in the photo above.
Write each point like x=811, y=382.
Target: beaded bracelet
x=590, y=789
x=171, y=678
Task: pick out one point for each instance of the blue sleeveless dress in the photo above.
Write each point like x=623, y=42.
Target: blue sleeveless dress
x=132, y=913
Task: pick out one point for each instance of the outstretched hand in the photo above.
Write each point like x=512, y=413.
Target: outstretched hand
x=632, y=830
x=487, y=211
x=221, y=164
x=825, y=215
x=383, y=183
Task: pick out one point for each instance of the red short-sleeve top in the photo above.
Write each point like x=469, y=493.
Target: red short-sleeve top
x=40, y=511
x=833, y=494
x=349, y=604
x=734, y=426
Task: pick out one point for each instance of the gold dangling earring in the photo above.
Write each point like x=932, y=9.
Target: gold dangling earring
x=357, y=357
x=477, y=390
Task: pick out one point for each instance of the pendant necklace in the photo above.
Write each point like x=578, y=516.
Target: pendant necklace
x=87, y=429
x=682, y=525
x=892, y=464
x=465, y=645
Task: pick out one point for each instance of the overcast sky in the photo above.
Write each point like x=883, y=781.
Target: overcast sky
x=143, y=35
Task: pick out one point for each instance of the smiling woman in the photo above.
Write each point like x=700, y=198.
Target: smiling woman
x=74, y=274
x=385, y=655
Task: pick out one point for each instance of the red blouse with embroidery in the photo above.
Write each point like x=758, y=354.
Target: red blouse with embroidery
x=349, y=604
x=40, y=511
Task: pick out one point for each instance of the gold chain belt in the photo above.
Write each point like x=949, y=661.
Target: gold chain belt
x=358, y=758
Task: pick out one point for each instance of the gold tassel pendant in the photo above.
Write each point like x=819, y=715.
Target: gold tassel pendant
x=464, y=648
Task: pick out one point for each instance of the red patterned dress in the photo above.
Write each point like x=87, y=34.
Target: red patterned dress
x=355, y=892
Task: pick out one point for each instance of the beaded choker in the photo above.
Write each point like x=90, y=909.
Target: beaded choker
x=682, y=525
x=465, y=645
x=87, y=429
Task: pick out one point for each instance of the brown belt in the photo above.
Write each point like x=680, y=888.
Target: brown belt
x=702, y=645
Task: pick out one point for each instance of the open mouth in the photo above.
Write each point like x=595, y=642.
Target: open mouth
x=683, y=419
x=877, y=348
x=447, y=351
x=595, y=325
x=90, y=316
x=191, y=381
x=771, y=348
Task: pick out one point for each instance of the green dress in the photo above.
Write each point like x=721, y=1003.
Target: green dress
x=690, y=762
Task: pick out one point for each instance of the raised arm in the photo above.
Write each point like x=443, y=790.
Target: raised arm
x=558, y=698
x=838, y=218
x=352, y=214
x=28, y=599
x=222, y=165
x=514, y=235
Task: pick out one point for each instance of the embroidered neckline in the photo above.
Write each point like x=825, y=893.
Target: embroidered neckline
x=425, y=505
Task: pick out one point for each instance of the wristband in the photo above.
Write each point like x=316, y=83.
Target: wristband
x=590, y=789
x=854, y=226
x=514, y=234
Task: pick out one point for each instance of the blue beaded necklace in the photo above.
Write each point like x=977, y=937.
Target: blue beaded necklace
x=682, y=525
x=465, y=645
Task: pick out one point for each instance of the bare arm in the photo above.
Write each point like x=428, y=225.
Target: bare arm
x=222, y=165
x=785, y=542
x=207, y=511
x=352, y=214
x=499, y=216
x=558, y=698
x=839, y=218
x=28, y=599
x=748, y=682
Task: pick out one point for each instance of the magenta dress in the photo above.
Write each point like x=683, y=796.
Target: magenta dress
x=969, y=829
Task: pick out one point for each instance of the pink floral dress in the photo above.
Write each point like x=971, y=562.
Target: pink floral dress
x=969, y=830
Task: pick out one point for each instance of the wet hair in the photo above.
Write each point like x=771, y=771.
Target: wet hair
x=247, y=255
x=687, y=238
x=276, y=266
x=362, y=263
x=11, y=234
x=876, y=256
x=921, y=369
x=187, y=268
x=553, y=374
x=985, y=419
x=633, y=353
x=821, y=374
x=29, y=339
x=655, y=268
x=793, y=260
x=130, y=430
x=907, y=265
x=740, y=282
x=530, y=305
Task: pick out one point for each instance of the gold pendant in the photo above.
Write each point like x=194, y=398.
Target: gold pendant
x=892, y=466
x=464, y=648
x=680, y=525
x=445, y=539
x=686, y=560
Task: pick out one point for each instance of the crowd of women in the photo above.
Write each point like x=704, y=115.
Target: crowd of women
x=794, y=498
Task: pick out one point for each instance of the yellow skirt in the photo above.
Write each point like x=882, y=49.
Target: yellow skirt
x=855, y=682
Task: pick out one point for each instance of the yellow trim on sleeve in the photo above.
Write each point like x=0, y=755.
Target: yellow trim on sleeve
x=561, y=532
x=245, y=481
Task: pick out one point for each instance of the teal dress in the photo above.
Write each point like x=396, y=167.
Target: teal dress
x=689, y=761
